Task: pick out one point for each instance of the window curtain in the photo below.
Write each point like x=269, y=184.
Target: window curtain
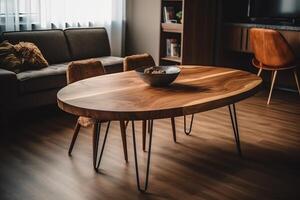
x=18, y=15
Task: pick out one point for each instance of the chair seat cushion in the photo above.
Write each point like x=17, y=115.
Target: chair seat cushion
x=45, y=79
x=257, y=64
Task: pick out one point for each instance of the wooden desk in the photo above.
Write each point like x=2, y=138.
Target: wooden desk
x=124, y=96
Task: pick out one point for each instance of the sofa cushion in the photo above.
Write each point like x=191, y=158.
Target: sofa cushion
x=52, y=43
x=54, y=76
x=8, y=87
x=87, y=43
x=47, y=78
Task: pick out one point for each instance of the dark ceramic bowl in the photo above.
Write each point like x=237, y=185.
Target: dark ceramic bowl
x=159, y=80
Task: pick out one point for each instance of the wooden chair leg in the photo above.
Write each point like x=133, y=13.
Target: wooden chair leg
x=124, y=141
x=76, y=131
x=173, y=129
x=297, y=81
x=259, y=72
x=144, y=134
x=272, y=86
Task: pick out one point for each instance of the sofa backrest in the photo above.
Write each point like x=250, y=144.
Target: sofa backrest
x=87, y=43
x=52, y=43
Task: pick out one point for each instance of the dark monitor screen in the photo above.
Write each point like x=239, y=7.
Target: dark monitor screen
x=275, y=8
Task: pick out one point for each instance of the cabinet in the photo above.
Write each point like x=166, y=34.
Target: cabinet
x=237, y=38
x=196, y=34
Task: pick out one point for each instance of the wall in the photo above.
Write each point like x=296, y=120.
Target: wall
x=143, y=27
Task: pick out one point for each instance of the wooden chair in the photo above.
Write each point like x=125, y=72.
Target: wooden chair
x=77, y=71
x=273, y=53
x=133, y=62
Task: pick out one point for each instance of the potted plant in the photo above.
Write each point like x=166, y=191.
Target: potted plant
x=179, y=16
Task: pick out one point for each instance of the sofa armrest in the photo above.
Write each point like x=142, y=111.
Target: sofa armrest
x=8, y=86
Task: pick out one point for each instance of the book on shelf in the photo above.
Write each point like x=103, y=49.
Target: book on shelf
x=168, y=47
x=169, y=15
x=172, y=48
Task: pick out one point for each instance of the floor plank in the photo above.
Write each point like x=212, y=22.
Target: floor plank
x=35, y=165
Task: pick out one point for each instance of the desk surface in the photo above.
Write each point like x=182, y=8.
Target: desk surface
x=269, y=26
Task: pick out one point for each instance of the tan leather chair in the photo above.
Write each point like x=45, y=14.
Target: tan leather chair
x=77, y=71
x=133, y=62
x=273, y=53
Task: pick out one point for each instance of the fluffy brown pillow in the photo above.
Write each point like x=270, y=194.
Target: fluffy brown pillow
x=8, y=59
x=31, y=56
x=21, y=57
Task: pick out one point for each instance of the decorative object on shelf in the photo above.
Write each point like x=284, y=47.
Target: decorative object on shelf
x=175, y=49
x=169, y=15
x=179, y=16
x=158, y=76
x=168, y=47
x=172, y=48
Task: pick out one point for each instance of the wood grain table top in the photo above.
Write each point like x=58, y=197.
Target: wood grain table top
x=124, y=96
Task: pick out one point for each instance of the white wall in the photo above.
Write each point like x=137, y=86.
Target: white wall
x=143, y=27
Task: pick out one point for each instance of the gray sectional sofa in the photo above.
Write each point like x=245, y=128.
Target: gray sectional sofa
x=59, y=47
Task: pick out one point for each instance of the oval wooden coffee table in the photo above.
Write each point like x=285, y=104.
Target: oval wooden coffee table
x=125, y=97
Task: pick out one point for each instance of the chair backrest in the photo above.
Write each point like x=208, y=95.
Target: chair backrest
x=270, y=48
x=79, y=70
x=136, y=61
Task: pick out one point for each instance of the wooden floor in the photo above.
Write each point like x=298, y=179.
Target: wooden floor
x=34, y=163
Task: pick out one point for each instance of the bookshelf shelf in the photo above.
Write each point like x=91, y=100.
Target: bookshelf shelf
x=172, y=59
x=171, y=32
x=172, y=0
x=188, y=31
x=172, y=27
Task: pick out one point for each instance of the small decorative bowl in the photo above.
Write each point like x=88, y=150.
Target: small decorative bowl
x=157, y=79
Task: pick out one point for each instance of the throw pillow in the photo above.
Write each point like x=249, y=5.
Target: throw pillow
x=8, y=59
x=32, y=58
x=21, y=57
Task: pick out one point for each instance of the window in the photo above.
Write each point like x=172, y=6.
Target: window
x=19, y=15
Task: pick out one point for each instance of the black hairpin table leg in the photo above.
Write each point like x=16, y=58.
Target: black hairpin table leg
x=150, y=128
x=173, y=129
x=126, y=124
x=96, y=138
x=235, y=127
x=188, y=131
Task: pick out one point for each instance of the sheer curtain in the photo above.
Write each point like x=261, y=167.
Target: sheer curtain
x=18, y=15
